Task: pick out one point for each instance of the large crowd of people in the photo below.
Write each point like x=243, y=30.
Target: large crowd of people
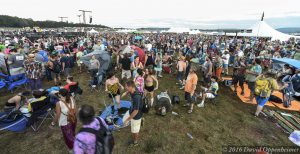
x=199, y=62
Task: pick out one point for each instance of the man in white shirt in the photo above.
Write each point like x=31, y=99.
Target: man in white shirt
x=225, y=58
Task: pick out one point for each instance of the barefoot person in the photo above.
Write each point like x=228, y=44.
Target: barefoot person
x=112, y=86
x=149, y=85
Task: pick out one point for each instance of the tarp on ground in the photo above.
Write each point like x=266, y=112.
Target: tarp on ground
x=292, y=62
x=103, y=57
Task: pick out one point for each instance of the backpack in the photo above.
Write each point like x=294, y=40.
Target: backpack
x=296, y=82
x=146, y=106
x=71, y=115
x=145, y=103
x=104, y=138
x=56, y=66
x=263, y=88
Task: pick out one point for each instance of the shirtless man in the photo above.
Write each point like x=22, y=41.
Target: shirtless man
x=16, y=101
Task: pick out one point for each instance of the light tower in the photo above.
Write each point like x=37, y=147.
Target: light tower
x=83, y=15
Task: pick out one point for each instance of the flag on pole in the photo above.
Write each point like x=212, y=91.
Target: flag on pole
x=262, y=17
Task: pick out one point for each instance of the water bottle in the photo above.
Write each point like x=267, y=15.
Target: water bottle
x=189, y=135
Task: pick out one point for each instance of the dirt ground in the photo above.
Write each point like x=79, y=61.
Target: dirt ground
x=229, y=122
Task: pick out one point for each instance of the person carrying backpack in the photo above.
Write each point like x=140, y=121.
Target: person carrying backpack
x=264, y=86
x=135, y=114
x=54, y=66
x=66, y=117
x=90, y=137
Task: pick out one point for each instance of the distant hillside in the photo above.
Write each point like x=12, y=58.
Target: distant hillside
x=289, y=30
x=16, y=22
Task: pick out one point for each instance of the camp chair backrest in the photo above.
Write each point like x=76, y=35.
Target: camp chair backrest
x=41, y=105
x=73, y=88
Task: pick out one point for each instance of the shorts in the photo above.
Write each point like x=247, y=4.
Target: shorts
x=238, y=79
x=188, y=98
x=225, y=66
x=210, y=95
x=114, y=95
x=251, y=86
x=149, y=89
x=55, y=74
x=179, y=76
x=261, y=101
x=135, y=124
x=126, y=73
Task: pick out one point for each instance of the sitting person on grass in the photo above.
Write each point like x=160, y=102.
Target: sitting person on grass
x=70, y=82
x=211, y=92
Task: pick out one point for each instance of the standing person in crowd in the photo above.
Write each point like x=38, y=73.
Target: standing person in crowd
x=251, y=75
x=55, y=67
x=139, y=81
x=79, y=54
x=158, y=65
x=85, y=143
x=181, y=68
x=239, y=70
x=210, y=92
x=66, y=63
x=65, y=116
x=190, y=87
x=125, y=65
x=149, y=84
x=33, y=71
x=218, y=66
x=15, y=62
x=94, y=66
x=135, y=114
x=207, y=73
x=113, y=87
x=265, y=85
x=135, y=65
x=149, y=60
x=225, y=57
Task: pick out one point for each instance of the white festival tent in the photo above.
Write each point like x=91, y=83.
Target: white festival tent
x=178, y=30
x=93, y=31
x=262, y=29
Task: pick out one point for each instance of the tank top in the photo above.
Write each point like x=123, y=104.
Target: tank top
x=63, y=119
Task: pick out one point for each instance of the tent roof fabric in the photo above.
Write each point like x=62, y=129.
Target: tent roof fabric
x=292, y=62
x=262, y=29
x=178, y=30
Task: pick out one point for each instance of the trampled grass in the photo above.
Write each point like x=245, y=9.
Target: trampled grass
x=229, y=122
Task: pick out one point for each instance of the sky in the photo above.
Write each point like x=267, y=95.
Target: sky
x=161, y=13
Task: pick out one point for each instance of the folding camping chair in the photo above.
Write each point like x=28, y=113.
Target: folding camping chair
x=41, y=110
x=14, y=81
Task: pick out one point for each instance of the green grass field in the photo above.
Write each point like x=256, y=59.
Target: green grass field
x=230, y=122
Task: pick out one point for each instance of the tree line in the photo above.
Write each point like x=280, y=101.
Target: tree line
x=16, y=22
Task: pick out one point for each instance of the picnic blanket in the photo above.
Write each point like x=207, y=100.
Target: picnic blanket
x=295, y=105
